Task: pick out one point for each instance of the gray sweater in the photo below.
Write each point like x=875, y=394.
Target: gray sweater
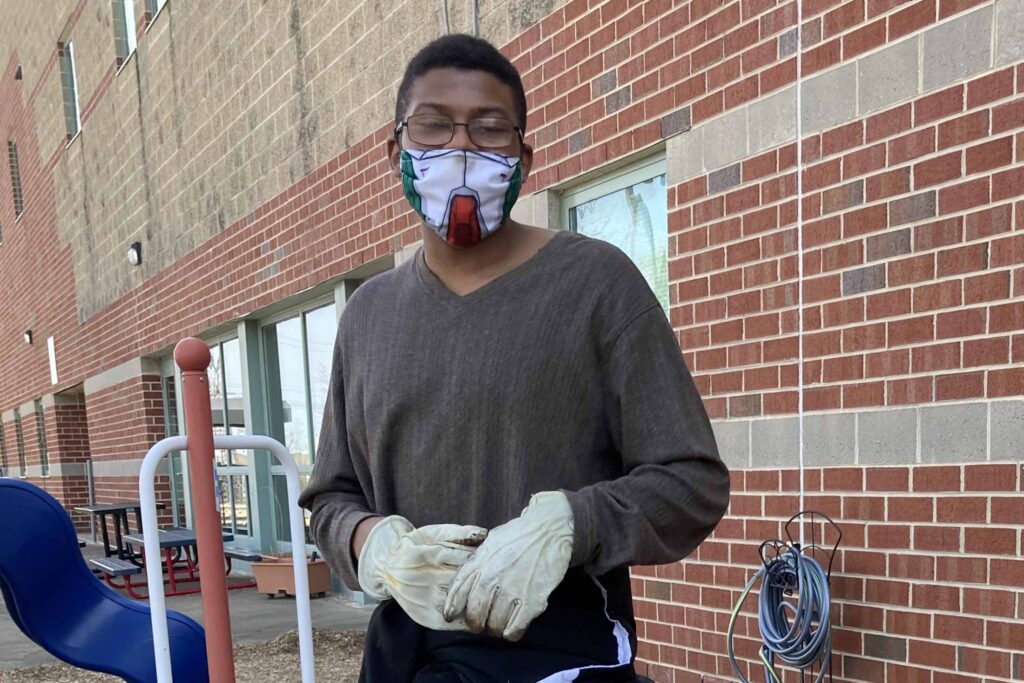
x=562, y=374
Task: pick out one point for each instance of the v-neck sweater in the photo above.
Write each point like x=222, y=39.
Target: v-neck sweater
x=561, y=374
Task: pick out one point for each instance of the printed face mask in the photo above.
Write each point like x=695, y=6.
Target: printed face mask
x=463, y=195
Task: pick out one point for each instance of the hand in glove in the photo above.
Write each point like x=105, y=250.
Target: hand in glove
x=506, y=584
x=415, y=566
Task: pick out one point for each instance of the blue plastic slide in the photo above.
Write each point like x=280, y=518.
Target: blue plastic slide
x=58, y=603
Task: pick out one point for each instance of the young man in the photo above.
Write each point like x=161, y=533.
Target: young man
x=510, y=423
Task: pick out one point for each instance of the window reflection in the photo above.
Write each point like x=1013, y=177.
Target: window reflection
x=635, y=220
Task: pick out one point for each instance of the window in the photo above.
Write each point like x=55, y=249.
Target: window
x=629, y=210
x=12, y=157
x=3, y=451
x=44, y=456
x=124, y=29
x=169, y=389
x=228, y=411
x=69, y=86
x=20, y=437
x=298, y=354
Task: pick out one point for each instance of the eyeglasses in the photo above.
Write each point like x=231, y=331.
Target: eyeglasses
x=435, y=131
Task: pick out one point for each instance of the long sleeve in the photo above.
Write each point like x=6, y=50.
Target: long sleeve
x=334, y=494
x=675, y=488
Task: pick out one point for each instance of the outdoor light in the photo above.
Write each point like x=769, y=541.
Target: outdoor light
x=17, y=73
x=135, y=253
x=28, y=336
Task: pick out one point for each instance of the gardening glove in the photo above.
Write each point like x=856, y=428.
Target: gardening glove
x=414, y=566
x=506, y=584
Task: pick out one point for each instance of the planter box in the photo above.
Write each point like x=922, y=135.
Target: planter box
x=274, y=575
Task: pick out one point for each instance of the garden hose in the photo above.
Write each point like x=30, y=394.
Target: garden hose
x=799, y=634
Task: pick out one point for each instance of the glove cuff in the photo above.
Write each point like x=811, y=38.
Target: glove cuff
x=551, y=510
x=379, y=544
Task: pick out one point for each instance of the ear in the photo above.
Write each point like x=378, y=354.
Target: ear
x=526, y=160
x=395, y=157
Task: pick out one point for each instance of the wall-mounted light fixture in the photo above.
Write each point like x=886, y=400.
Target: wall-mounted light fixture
x=135, y=253
x=17, y=73
x=28, y=336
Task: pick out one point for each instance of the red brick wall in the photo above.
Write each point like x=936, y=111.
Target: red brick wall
x=125, y=420
x=922, y=196
x=928, y=582
x=609, y=79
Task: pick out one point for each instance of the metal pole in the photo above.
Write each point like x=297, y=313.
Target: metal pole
x=90, y=486
x=193, y=357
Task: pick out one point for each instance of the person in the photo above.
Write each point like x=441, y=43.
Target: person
x=510, y=424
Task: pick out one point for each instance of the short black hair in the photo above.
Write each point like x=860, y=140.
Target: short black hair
x=468, y=53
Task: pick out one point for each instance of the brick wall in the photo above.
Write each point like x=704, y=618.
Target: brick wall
x=912, y=155
x=928, y=583
x=125, y=420
x=912, y=261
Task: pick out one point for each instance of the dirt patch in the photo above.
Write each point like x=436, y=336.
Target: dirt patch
x=338, y=656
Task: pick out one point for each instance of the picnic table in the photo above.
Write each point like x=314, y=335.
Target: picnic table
x=119, y=514
x=179, y=543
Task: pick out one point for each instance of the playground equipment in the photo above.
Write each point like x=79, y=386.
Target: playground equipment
x=54, y=599
x=193, y=357
x=58, y=603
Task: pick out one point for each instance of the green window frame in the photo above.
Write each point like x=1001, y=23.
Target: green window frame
x=278, y=408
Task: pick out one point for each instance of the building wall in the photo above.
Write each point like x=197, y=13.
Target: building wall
x=244, y=148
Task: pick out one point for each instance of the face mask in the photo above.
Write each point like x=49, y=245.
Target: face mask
x=464, y=196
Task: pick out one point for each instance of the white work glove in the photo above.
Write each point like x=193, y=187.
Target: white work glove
x=506, y=584
x=415, y=566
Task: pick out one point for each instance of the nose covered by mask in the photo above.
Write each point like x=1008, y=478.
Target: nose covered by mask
x=463, y=195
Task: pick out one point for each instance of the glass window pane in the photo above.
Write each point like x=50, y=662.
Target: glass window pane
x=321, y=327
x=177, y=458
x=283, y=530
x=240, y=486
x=231, y=353
x=634, y=219
x=288, y=389
x=215, y=376
x=224, y=503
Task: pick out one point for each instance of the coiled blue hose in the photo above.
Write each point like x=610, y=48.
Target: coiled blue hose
x=800, y=634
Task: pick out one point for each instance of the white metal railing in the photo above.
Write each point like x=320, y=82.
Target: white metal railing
x=154, y=577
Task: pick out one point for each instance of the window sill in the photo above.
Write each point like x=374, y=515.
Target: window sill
x=123, y=64
x=72, y=140
x=152, y=19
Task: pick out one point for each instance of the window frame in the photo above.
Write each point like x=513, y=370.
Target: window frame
x=124, y=21
x=44, y=454
x=615, y=180
x=19, y=435
x=300, y=311
x=17, y=191
x=232, y=469
x=153, y=8
x=4, y=465
x=69, y=71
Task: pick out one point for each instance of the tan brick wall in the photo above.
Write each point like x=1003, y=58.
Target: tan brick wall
x=224, y=106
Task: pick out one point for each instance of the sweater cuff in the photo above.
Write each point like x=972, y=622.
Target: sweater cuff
x=334, y=541
x=584, y=543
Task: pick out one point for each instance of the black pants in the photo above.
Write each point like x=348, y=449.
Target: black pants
x=586, y=634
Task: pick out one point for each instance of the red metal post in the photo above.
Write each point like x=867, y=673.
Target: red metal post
x=193, y=357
